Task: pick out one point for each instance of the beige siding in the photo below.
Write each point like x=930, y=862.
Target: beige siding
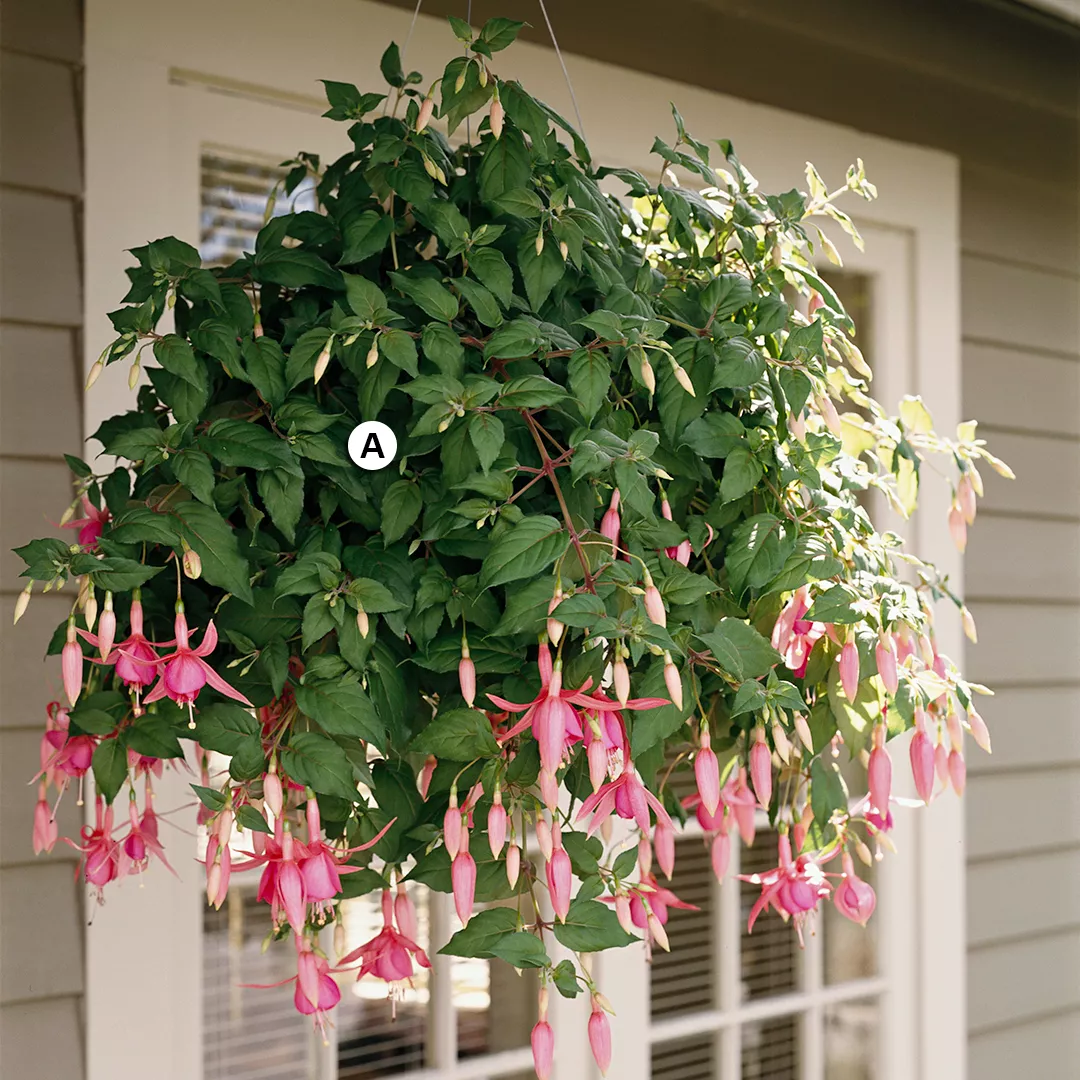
x=41, y=970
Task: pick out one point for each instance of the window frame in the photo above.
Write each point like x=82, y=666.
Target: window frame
x=136, y=54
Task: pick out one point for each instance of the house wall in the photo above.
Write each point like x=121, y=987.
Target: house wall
x=41, y=906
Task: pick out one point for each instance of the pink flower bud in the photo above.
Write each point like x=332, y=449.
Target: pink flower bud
x=802, y=729
x=600, y=1038
x=957, y=771
x=707, y=774
x=849, y=669
x=467, y=676
x=543, y=1049
x=965, y=499
x=405, y=913
x=781, y=742
x=71, y=665
x=272, y=793
x=761, y=769
x=656, y=932
x=558, y=879
x=720, y=854
x=828, y=413
x=496, y=825
x=854, y=898
x=683, y=379
x=192, y=565
x=554, y=627
x=22, y=603
x=683, y=552
x=543, y=837
x=453, y=829
x=597, y=756
x=941, y=763
x=610, y=523
x=620, y=674
x=797, y=427
x=879, y=778
x=654, y=604
x=622, y=911
x=664, y=846
x=496, y=117
x=423, y=782
x=46, y=830
x=463, y=880
x=922, y=765
x=323, y=361
x=644, y=856
x=885, y=655
x=513, y=864
x=673, y=681
x=979, y=731
x=957, y=528
x=363, y=623
x=423, y=117
x=107, y=628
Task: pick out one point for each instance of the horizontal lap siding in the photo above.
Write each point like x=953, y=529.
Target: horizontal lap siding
x=1021, y=380
x=41, y=935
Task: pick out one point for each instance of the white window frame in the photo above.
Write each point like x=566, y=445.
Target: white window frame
x=143, y=956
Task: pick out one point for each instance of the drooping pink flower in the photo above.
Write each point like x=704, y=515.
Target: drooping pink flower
x=793, y=888
x=885, y=655
x=186, y=672
x=854, y=898
x=958, y=528
x=879, y=774
x=610, y=523
x=664, y=846
x=740, y=798
x=600, y=1036
x=463, y=880
x=91, y=526
x=46, y=830
x=100, y=862
x=496, y=824
x=71, y=664
x=628, y=797
x=559, y=875
x=707, y=772
x=316, y=990
x=761, y=769
x=405, y=913
x=848, y=664
x=957, y=771
x=141, y=842
x=390, y=954
x=793, y=637
x=921, y=751
x=467, y=676
x=542, y=1040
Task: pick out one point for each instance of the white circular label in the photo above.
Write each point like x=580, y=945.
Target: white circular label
x=372, y=445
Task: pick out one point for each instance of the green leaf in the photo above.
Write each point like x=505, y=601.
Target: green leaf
x=209, y=534
x=401, y=506
x=245, y=445
x=152, y=737
x=564, y=976
x=194, y=471
x=541, y=273
x=487, y=436
x=810, y=561
x=520, y=202
x=400, y=349
x=493, y=271
x=390, y=66
x=319, y=620
x=750, y=697
x=803, y=344
x=294, y=268
x=303, y=356
x=282, y=492
x=174, y=354
x=523, y=550
x=742, y=473
x=522, y=949
x=531, y=392
x=591, y=926
x=250, y=818
x=218, y=338
x=367, y=300
x=505, y=167
x=265, y=364
x=480, y=300
x=835, y=605
x=757, y=551
x=740, y=650
x=828, y=792
x=739, y=365
x=305, y=576
x=318, y=762
x=341, y=707
x=714, y=435
x=457, y=735
x=484, y=931
x=365, y=236
x=590, y=380
x=497, y=34
x=434, y=299
x=585, y=853
x=725, y=295
x=514, y=340
x=443, y=348
x=110, y=767
x=211, y=798
x=225, y=728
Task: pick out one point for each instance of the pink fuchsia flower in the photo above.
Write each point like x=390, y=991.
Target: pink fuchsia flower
x=600, y=1036
x=793, y=637
x=707, y=773
x=740, y=799
x=71, y=664
x=664, y=846
x=793, y=888
x=467, y=675
x=921, y=752
x=136, y=660
x=186, y=672
x=463, y=879
x=542, y=1040
x=100, y=861
x=879, y=773
x=496, y=824
x=46, y=830
x=141, y=841
x=761, y=768
x=610, y=523
x=649, y=908
x=390, y=954
x=854, y=898
x=559, y=875
x=91, y=526
x=885, y=655
x=848, y=664
x=316, y=992
x=628, y=797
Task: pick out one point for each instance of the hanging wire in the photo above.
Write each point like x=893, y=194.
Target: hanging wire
x=562, y=64
x=412, y=27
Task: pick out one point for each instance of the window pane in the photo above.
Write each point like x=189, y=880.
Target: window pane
x=686, y=1059
x=770, y=1049
x=770, y=957
x=850, y=949
x=495, y=1007
x=850, y=1040
x=683, y=979
x=250, y=1034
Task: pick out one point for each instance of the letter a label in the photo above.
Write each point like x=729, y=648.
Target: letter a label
x=372, y=445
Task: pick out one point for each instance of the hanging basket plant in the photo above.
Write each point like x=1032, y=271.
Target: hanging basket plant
x=621, y=542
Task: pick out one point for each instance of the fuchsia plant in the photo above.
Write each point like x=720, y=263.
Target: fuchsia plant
x=622, y=544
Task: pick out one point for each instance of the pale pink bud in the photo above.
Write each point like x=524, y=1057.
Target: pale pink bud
x=554, y=627
x=95, y=373
x=957, y=528
x=683, y=379
x=423, y=781
x=610, y=523
x=879, y=778
x=423, y=117
x=965, y=498
x=496, y=117
x=956, y=731
x=620, y=674
x=644, y=855
x=720, y=854
x=828, y=413
x=761, y=770
x=683, y=553
x=452, y=829
x=600, y=1038
x=648, y=376
x=707, y=774
x=192, y=564
x=921, y=753
x=673, y=681
x=941, y=763
x=957, y=771
x=46, y=830
x=273, y=795
x=543, y=837
x=223, y=827
x=854, y=898
x=657, y=932
x=558, y=879
x=543, y=1049
x=802, y=729
x=979, y=731
x=213, y=882
x=781, y=742
x=372, y=357
x=496, y=825
x=664, y=846
x=22, y=603
x=363, y=623
x=797, y=427
x=885, y=655
x=597, y=757
x=467, y=676
x=849, y=669
x=968, y=621
x=323, y=361
x=540, y=241
x=654, y=605
x=107, y=628
x=513, y=864
x=405, y=913
x=71, y=665
x=622, y=910
x=463, y=880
